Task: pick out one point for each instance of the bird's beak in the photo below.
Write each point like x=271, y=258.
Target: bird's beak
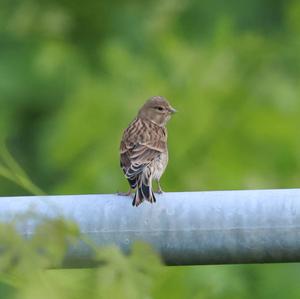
x=173, y=110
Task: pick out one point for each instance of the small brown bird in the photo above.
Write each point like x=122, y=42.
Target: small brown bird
x=144, y=150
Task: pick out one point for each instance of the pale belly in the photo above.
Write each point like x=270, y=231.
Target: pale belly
x=159, y=165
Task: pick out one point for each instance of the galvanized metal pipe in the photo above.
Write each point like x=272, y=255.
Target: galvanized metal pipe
x=189, y=228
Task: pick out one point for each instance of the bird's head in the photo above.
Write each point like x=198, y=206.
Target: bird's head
x=157, y=110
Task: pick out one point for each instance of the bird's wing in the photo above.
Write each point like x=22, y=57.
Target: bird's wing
x=140, y=147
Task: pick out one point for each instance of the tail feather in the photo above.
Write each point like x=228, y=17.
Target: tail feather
x=144, y=190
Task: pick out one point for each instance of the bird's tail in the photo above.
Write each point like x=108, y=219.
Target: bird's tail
x=144, y=189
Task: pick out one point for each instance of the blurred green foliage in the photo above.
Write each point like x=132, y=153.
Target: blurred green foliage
x=73, y=74
x=23, y=264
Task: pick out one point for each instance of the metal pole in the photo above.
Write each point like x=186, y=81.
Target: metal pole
x=189, y=228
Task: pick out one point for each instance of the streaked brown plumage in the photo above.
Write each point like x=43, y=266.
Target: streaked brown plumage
x=143, y=149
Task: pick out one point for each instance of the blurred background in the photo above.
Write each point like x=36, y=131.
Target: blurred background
x=73, y=74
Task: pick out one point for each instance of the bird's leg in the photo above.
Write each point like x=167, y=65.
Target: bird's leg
x=159, y=190
x=128, y=193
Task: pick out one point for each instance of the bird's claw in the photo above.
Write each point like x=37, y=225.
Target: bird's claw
x=124, y=193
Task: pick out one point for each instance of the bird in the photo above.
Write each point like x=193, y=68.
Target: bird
x=144, y=150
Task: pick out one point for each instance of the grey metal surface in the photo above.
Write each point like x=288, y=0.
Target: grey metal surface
x=186, y=228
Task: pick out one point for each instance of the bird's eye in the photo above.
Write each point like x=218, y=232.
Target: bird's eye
x=159, y=108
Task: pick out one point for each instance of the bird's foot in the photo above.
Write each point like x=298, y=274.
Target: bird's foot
x=159, y=189
x=128, y=193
